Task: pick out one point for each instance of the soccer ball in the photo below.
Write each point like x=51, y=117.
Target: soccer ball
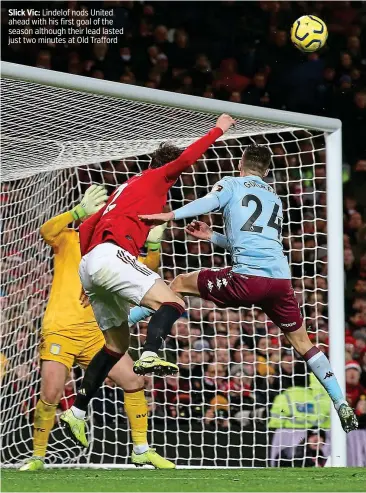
x=309, y=33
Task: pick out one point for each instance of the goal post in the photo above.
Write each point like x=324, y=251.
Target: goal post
x=54, y=122
x=336, y=284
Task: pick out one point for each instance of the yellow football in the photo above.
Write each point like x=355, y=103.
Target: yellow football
x=309, y=33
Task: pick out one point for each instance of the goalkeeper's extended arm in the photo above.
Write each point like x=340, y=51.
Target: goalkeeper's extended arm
x=51, y=229
x=93, y=200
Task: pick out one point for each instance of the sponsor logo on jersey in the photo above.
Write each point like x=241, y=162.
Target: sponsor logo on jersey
x=291, y=324
x=328, y=375
x=55, y=348
x=217, y=188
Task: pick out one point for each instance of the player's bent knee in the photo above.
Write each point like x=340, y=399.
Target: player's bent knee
x=51, y=395
x=177, y=283
x=159, y=294
x=126, y=380
x=185, y=284
x=123, y=375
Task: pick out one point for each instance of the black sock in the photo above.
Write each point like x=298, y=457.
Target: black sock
x=161, y=324
x=95, y=374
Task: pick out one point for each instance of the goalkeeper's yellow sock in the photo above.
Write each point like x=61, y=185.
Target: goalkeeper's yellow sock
x=137, y=411
x=44, y=420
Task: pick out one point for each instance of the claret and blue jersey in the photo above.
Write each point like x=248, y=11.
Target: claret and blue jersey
x=253, y=217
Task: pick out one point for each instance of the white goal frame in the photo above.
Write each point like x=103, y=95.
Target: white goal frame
x=333, y=139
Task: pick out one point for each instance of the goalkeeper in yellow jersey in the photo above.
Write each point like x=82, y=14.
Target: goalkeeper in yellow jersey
x=71, y=335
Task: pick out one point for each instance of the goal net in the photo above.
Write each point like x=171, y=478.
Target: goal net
x=228, y=405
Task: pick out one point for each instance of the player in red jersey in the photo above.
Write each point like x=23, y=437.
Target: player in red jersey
x=113, y=278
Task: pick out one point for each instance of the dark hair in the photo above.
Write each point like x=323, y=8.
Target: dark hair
x=164, y=154
x=317, y=431
x=257, y=158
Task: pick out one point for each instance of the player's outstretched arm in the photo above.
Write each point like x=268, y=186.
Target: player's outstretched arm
x=217, y=199
x=200, y=206
x=93, y=200
x=188, y=157
x=52, y=229
x=213, y=201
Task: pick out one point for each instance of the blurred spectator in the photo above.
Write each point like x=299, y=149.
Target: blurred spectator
x=172, y=395
x=201, y=74
x=179, y=52
x=179, y=338
x=354, y=390
x=256, y=92
x=265, y=366
x=363, y=368
x=308, y=453
x=285, y=372
x=301, y=406
x=229, y=79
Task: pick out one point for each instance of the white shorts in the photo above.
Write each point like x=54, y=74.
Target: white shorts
x=113, y=279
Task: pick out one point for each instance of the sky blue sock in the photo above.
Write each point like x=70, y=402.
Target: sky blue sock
x=138, y=313
x=320, y=366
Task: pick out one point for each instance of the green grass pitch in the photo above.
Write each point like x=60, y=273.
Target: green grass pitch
x=185, y=480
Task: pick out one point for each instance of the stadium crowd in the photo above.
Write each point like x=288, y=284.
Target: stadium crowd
x=235, y=366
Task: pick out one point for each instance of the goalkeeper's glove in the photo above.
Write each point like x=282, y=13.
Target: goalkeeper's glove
x=155, y=236
x=94, y=199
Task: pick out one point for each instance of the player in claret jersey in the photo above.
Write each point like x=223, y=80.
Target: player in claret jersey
x=260, y=274
x=112, y=276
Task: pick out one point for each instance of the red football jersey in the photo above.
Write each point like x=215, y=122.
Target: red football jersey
x=145, y=193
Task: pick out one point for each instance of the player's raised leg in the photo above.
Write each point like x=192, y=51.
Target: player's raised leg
x=320, y=366
x=281, y=306
x=168, y=308
x=112, y=278
x=53, y=378
x=116, y=344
